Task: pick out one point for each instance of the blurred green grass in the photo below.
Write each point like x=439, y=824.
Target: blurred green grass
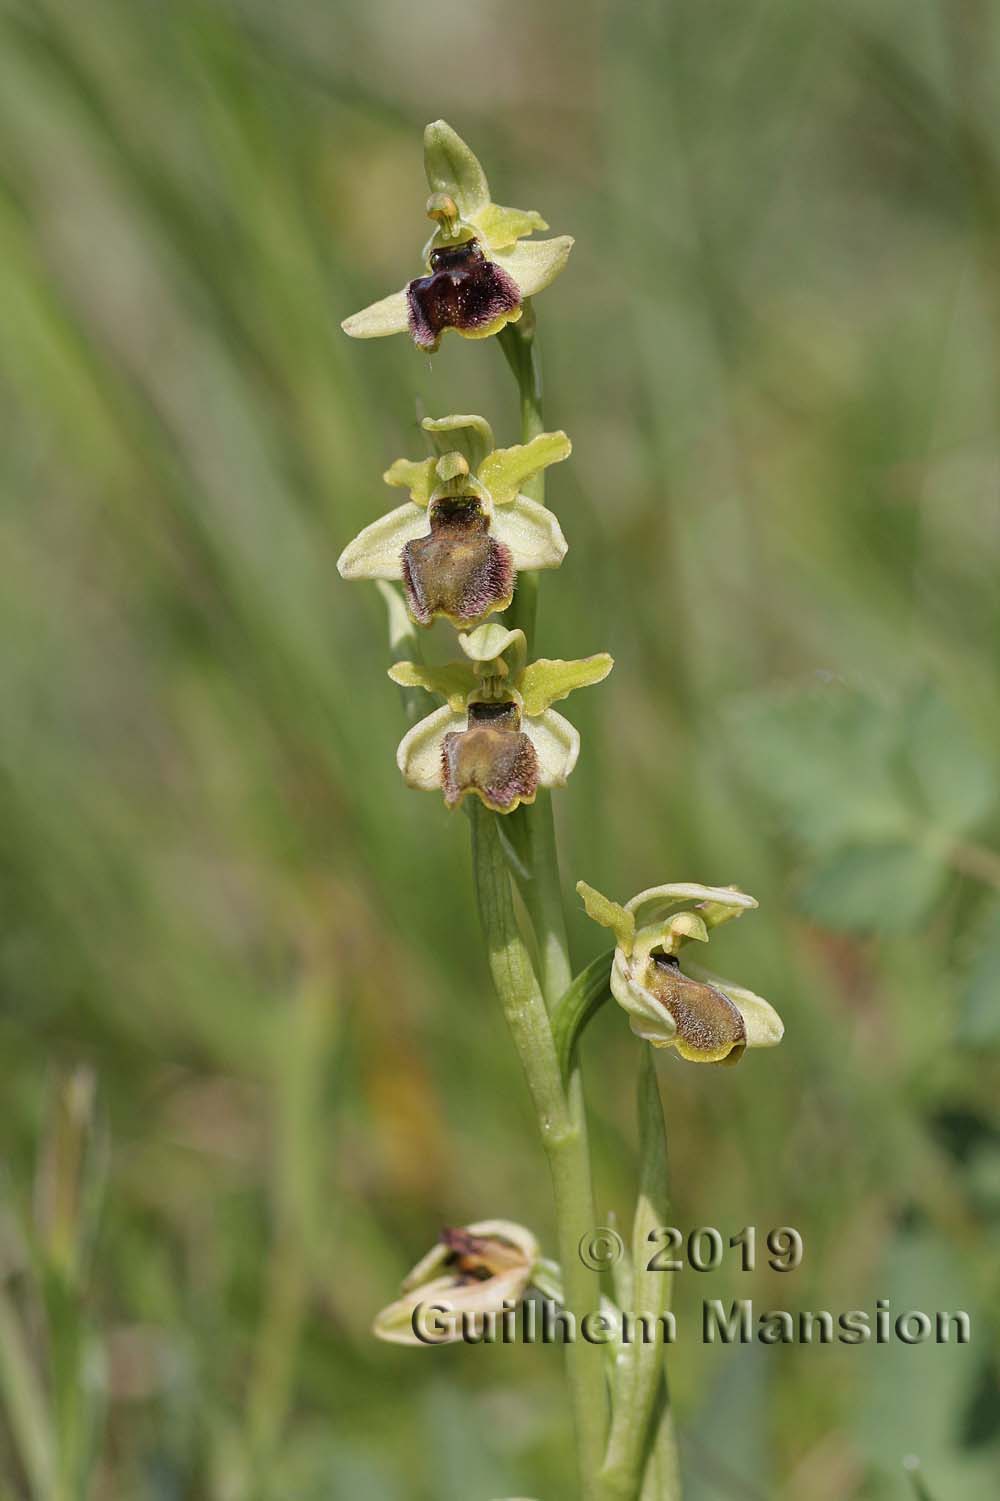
x=776, y=349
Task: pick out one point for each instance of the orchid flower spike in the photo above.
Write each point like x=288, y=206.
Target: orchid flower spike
x=497, y=736
x=706, y=1019
x=471, y=1272
x=466, y=531
x=478, y=273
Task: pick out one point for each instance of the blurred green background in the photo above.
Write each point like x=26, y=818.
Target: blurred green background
x=251, y=1061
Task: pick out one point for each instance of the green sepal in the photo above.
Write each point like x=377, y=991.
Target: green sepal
x=609, y=914
x=453, y=681
x=415, y=475
x=470, y=435
x=453, y=168
x=505, y=470
x=549, y=679
x=490, y=642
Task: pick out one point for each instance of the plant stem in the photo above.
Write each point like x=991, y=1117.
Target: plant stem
x=541, y=891
x=640, y=1370
x=517, y=341
x=563, y=1137
x=27, y=1414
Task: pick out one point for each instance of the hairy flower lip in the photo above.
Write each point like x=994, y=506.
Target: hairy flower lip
x=493, y=684
x=492, y=758
x=704, y=1018
x=458, y=570
x=464, y=291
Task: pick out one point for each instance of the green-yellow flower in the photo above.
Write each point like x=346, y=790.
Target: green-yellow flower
x=479, y=274
x=466, y=531
x=497, y=736
x=474, y=1270
x=706, y=1019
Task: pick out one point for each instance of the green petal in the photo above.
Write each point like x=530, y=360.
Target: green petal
x=532, y=533
x=376, y=552
x=469, y=435
x=548, y=680
x=390, y=316
x=609, y=914
x=453, y=681
x=557, y=744
x=418, y=755
x=500, y=227
x=454, y=169
x=490, y=641
x=415, y=475
x=535, y=264
x=505, y=470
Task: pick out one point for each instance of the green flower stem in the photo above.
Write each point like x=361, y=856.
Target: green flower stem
x=640, y=1369
x=559, y=1119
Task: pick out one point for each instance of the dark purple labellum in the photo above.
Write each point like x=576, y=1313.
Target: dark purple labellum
x=464, y=291
x=458, y=569
x=492, y=758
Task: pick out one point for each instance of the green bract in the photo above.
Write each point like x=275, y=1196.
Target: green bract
x=706, y=1019
x=466, y=531
x=472, y=1271
x=497, y=735
x=479, y=274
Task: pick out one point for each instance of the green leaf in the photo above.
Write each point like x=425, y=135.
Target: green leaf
x=505, y=470
x=823, y=759
x=979, y=1012
x=582, y=999
x=879, y=888
x=955, y=780
x=453, y=168
x=549, y=679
